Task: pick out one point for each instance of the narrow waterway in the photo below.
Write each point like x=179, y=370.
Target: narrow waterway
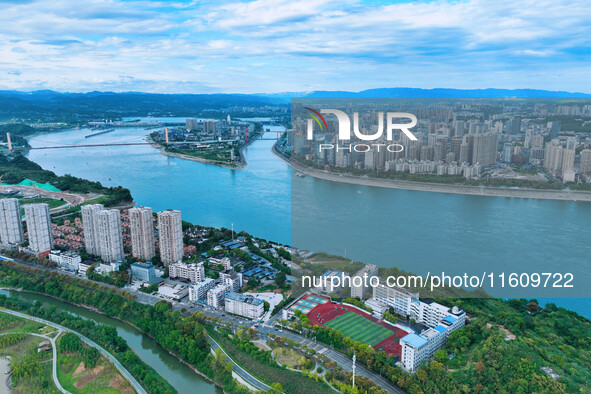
x=182, y=378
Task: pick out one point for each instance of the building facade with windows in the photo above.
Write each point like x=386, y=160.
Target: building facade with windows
x=244, y=305
x=141, y=228
x=39, y=228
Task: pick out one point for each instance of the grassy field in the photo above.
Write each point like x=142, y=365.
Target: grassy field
x=359, y=328
x=102, y=379
x=10, y=323
x=286, y=356
x=49, y=201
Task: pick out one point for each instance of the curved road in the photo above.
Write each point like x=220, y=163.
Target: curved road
x=138, y=388
x=238, y=369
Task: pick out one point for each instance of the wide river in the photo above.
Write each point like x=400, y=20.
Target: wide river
x=417, y=231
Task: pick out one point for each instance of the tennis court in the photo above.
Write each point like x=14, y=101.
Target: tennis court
x=359, y=328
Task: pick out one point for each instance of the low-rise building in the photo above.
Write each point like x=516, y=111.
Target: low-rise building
x=216, y=295
x=232, y=279
x=191, y=272
x=108, y=268
x=174, y=292
x=327, y=285
x=224, y=262
x=377, y=308
x=83, y=267
x=243, y=305
x=198, y=291
x=65, y=259
x=143, y=271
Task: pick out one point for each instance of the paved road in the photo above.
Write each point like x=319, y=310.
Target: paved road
x=238, y=369
x=138, y=388
x=341, y=359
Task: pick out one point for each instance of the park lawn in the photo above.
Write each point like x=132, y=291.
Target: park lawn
x=8, y=322
x=104, y=378
x=359, y=328
x=286, y=356
x=21, y=325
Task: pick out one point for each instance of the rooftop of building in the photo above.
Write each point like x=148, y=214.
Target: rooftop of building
x=142, y=265
x=440, y=328
x=430, y=333
x=244, y=298
x=367, y=268
x=414, y=340
x=450, y=319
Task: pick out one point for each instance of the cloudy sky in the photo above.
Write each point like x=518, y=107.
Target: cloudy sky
x=279, y=46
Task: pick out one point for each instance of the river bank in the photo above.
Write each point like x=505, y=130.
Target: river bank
x=568, y=195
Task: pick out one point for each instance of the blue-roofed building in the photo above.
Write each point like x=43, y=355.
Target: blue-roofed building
x=417, y=349
x=440, y=328
x=414, y=340
x=449, y=319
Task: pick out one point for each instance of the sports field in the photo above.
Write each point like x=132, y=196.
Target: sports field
x=359, y=328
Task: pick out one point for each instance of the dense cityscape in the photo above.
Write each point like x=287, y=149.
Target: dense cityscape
x=534, y=143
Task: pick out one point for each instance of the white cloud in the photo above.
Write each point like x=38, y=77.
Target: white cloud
x=284, y=45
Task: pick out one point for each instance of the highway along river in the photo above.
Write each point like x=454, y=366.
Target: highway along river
x=182, y=378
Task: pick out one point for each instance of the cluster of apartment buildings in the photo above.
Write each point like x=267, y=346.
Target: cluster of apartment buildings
x=39, y=229
x=457, y=140
x=103, y=233
x=437, y=167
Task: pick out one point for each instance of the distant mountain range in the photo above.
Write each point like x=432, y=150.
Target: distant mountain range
x=55, y=106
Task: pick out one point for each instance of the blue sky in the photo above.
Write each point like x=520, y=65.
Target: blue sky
x=294, y=46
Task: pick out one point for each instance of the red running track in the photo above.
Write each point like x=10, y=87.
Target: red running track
x=323, y=313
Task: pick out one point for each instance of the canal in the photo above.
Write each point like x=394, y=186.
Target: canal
x=181, y=377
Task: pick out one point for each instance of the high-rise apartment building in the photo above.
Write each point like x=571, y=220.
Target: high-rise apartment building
x=484, y=149
x=111, y=239
x=568, y=160
x=91, y=230
x=11, y=225
x=586, y=162
x=141, y=225
x=170, y=236
x=191, y=124
x=39, y=227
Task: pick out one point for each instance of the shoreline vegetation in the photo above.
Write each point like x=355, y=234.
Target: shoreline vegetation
x=18, y=168
x=488, y=191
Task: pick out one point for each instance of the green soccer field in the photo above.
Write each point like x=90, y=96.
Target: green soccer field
x=359, y=328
